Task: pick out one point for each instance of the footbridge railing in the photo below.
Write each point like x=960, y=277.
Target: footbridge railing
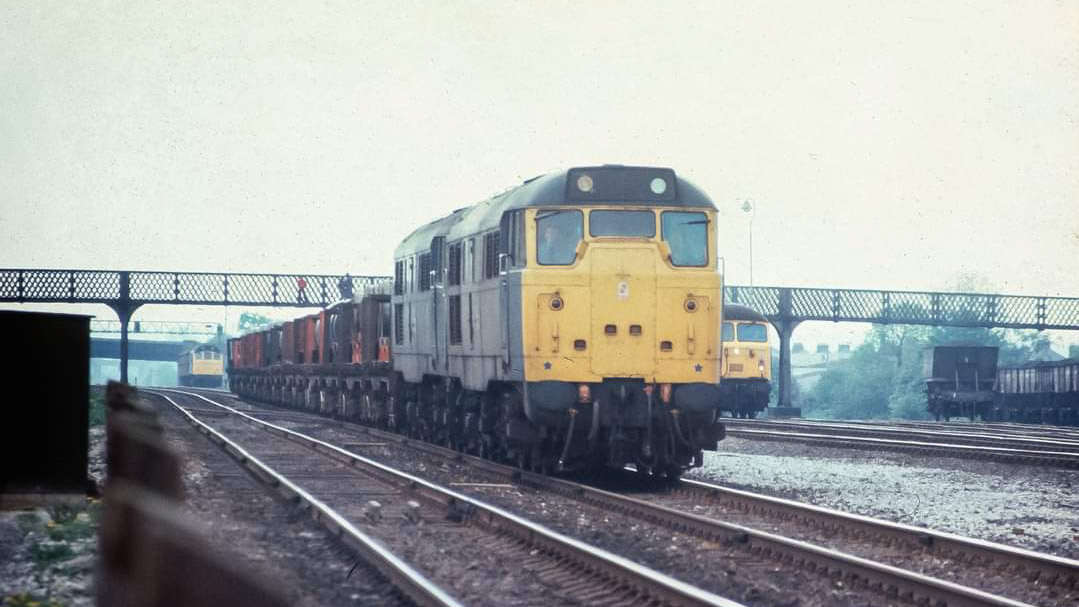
x=785, y=307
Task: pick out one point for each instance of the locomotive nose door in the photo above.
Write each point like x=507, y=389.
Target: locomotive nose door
x=623, y=311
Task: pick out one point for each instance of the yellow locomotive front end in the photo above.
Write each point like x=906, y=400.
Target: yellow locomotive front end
x=621, y=309
x=747, y=362
x=202, y=367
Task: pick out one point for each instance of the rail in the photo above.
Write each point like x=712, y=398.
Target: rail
x=657, y=587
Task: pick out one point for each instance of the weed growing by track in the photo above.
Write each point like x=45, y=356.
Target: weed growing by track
x=97, y=408
x=51, y=556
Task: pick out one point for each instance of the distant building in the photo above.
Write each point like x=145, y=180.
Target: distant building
x=806, y=366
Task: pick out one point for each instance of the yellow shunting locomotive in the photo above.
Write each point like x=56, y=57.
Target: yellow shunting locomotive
x=747, y=362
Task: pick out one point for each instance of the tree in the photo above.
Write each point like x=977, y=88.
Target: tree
x=857, y=387
x=251, y=322
x=884, y=376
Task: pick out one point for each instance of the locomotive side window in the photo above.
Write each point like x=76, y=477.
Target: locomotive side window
x=686, y=233
x=752, y=332
x=622, y=223
x=557, y=235
x=399, y=278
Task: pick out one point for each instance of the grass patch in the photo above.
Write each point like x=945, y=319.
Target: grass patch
x=62, y=514
x=26, y=599
x=97, y=409
x=47, y=554
x=69, y=523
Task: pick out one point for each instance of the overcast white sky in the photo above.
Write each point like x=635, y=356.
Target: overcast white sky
x=885, y=145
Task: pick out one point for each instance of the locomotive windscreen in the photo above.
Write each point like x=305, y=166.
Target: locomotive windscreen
x=621, y=184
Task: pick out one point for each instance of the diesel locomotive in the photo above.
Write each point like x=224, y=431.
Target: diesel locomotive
x=747, y=362
x=570, y=322
x=201, y=367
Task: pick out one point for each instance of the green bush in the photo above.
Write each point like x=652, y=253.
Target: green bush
x=97, y=409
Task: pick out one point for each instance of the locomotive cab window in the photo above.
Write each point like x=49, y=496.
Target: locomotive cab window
x=639, y=224
x=752, y=332
x=728, y=332
x=557, y=235
x=686, y=233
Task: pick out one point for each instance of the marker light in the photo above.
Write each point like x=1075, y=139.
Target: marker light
x=760, y=366
x=584, y=183
x=658, y=186
x=584, y=393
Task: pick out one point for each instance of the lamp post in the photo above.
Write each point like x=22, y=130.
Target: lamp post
x=749, y=207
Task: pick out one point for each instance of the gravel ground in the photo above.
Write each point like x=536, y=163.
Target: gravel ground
x=48, y=555
x=1025, y=506
x=250, y=525
x=473, y=565
x=726, y=570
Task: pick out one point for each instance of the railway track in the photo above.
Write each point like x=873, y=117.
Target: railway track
x=329, y=481
x=853, y=439
x=992, y=428
x=1032, y=576
x=949, y=436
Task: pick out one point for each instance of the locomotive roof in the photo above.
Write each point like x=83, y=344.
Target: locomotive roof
x=615, y=184
x=733, y=311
